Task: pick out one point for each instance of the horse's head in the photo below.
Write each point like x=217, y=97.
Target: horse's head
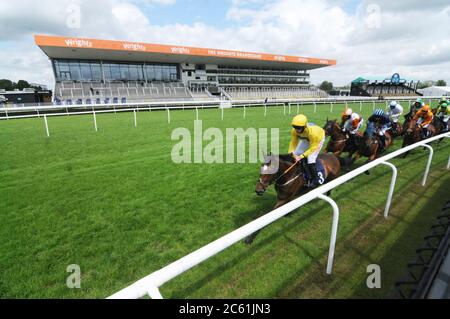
x=411, y=126
x=269, y=169
x=329, y=127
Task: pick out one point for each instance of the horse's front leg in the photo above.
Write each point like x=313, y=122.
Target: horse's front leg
x=357, y=157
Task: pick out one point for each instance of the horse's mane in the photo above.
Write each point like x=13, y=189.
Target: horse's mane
x=287, y=158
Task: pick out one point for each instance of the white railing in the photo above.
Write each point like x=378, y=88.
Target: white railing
x=177, y=102
x=150, y=284
x=7, y=113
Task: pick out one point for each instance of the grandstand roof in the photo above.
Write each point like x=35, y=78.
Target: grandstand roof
x=93, y=49
x=378, y=79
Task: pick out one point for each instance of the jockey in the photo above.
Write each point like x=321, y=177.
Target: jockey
x=443, y=101
x=424, y=117
x=306, y=142
x=353, y=124
x=415, y=107
x=444, y=114
x=395, y=111
x=382, y=123
x=346, y=116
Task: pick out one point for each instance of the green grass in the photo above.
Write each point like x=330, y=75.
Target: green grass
x=113, y=202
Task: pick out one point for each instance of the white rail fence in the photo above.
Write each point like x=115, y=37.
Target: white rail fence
x=287, y=110
x=150, y=284
x=38, y=110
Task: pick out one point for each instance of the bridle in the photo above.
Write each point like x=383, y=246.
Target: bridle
x=282, y=175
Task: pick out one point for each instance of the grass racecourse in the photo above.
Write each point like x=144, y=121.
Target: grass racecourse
x=114, y=203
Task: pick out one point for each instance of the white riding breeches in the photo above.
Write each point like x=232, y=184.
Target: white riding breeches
x=420, y=121
x=303, y=146
x=394, y=118
x=348, y=126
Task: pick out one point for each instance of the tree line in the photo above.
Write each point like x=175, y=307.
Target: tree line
x=9, y=85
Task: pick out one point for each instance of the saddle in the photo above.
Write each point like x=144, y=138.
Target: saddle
x=320, y=172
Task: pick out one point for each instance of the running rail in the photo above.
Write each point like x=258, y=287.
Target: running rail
x=8, y=112
x=151, y=283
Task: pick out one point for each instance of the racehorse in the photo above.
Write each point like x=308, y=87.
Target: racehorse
x=397, y=130
x=340, y=142
x=439, y=125
x=289, y=178
x=413, y=133
x=371, y=144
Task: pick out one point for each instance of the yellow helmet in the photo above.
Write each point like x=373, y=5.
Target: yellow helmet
x=299, y=120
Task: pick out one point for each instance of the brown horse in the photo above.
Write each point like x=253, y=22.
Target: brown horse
x=397, y=130
x=371, y=145
x=340, y=142
x=288, y=177
x=439, y=125
x=413, y=133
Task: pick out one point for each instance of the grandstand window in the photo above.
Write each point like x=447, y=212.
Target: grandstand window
x=124, y=72
x=86, y=73
x=165, y=73
x=107, y=71
x=135, y=73
x=150, y=70
x=158, y=73
x=75, y=72
x=115, y=72
x=96, y=72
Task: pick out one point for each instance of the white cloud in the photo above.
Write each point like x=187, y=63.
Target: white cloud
x=411, y=38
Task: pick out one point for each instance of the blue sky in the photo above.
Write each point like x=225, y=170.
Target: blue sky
x=211, y=12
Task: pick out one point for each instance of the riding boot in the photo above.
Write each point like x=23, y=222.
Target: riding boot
x=313, y=175
x=424, y=133
x=383, y=142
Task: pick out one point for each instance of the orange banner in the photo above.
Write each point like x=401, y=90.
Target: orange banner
x=82, y=43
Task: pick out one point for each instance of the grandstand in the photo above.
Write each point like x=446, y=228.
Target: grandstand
x=101, y=72
x=380, y=86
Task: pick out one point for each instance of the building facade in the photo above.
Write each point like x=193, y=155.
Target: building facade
x=90, y=68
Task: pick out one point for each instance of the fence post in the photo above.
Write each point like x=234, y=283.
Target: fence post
x=95, y=121
x=135, y=118
x=391, y=189
x=427, y=170
x=334, y=229
x=46, y=125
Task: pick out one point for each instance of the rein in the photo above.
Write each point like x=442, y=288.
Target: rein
x=286, y=171
x=283, y=174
